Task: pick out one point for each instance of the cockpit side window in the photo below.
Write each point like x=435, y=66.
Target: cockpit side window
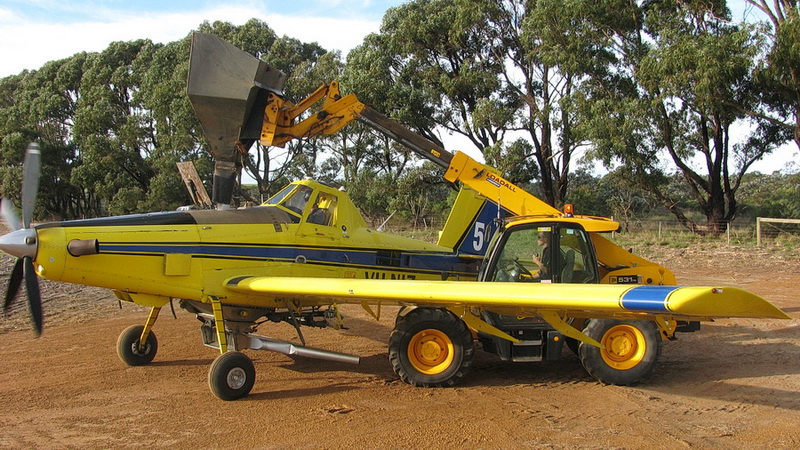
x=324, y=210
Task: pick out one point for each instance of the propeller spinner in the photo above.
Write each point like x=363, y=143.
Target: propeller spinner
x=21, y=242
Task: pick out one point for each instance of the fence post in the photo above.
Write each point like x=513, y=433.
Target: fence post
x=758, y=231
x=730, y=224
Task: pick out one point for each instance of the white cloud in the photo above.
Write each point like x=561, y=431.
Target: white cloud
x=7, y=16
x=28, y=44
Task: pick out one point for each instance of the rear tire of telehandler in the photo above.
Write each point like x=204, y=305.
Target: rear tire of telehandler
x=431, y=347
x=631, y=352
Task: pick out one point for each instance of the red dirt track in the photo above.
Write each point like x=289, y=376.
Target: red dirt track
x=733, y=384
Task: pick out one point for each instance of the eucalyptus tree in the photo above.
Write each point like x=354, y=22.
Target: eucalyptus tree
x=40, y=105
x=779, y=77
x=377, y=163
x=501, y=73
x=429, y=70
x=175, y=131
x=112, y=130
x=546, y=48
x=681, y=66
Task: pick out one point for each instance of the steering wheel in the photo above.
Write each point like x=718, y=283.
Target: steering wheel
x=512, y=273
x=519, y=270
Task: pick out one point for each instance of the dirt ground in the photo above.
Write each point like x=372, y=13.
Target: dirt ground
x=733, y=384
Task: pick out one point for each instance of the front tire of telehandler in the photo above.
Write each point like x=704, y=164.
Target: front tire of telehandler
x=431, y=347
x=631, y=352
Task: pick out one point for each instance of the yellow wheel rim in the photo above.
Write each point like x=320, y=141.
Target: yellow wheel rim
x=430, y=351
x=624, y=347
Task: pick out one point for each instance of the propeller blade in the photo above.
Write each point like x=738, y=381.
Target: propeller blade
x=30, y=182
x=14, y=283
x=9, y=215
x=34, y=295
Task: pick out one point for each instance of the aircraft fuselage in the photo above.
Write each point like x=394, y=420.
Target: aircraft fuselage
x=189, y=254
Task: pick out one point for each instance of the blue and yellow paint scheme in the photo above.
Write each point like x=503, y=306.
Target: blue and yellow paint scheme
x=188, y=254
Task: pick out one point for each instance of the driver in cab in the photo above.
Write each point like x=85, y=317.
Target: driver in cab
x=542, y=257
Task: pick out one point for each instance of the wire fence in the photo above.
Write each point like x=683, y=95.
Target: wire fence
x=740, y=232
x=664, y=227
x=755, y=232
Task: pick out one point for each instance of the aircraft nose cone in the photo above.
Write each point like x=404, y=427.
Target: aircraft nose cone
x=20, y=243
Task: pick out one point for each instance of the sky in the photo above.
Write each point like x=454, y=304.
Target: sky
x=33, y=32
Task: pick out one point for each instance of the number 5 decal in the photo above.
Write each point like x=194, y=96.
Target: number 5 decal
x=480, y=235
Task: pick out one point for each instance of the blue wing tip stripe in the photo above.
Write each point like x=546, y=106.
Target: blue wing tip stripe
x=647, y=298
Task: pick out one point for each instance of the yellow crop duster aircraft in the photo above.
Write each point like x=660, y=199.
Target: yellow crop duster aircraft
x=240, y=268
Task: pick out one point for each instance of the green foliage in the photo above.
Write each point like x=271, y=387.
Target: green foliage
x=669, y=99
x=513, y=161
x=420, y=194
x=774, y=195
x=778, y=77
x=653, y=89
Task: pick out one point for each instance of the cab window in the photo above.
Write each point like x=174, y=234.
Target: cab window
x=578, y=264
x=546, y=254
x=515, y=262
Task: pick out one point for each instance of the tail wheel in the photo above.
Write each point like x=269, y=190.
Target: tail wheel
x=231, y=376
x=128, y=346
x=431, y=347
x=630, y=350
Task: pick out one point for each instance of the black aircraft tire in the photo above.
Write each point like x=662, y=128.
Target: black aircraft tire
x=231, y=376
x=631, y=353
x=128, y=346
x=431, y=347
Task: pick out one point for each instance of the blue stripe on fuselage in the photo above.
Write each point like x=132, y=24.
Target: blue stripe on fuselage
x=367, y=258
x=647, y=298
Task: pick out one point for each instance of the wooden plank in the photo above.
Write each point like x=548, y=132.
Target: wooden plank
x=194, y=184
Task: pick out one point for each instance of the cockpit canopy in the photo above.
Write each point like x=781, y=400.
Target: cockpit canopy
x=316, y=203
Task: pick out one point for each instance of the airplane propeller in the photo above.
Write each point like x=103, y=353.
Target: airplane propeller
x=21, y=242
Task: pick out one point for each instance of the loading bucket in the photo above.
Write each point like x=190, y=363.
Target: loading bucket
x=228, y=89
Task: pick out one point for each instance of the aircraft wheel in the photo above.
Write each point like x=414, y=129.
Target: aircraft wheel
x=231, y=376
x=128, y=346
x=431, y=347
x=632, y=348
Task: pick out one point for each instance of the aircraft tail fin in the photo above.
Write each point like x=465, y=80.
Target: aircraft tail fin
x=470, y=225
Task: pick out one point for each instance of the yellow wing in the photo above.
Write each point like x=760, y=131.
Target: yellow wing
x=523, y=299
